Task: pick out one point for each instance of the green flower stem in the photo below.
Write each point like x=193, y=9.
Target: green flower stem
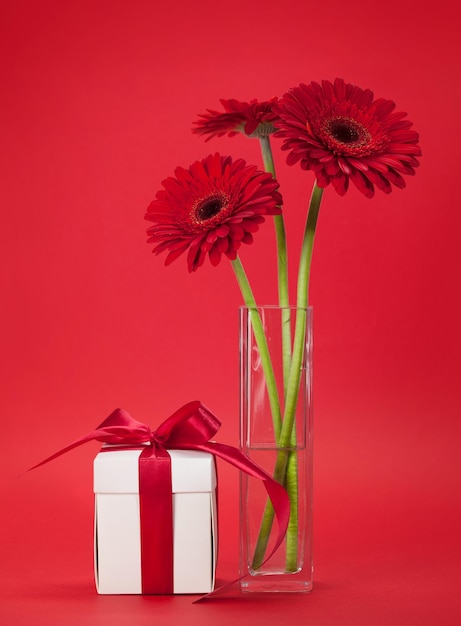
x=266, y=152
x=261, y=342
x=268, y=515
x=302, y=303
x=282, y=265
x=285, y=472
x=291, y=485
x=288, y=428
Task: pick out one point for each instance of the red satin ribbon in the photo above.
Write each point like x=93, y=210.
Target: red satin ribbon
x=156, y=521
x=190, y=428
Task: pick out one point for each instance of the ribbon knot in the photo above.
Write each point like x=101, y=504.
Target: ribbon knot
x=156, y=440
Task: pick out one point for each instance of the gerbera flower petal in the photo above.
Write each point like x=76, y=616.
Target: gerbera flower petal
x=340, y=183
x=222, y=244
x=379, y=180
x=396, y=179
x=236, y=232
x=363, y=184
x=210, y=208
x=223, y=230
x=342, y=132
x=250, y=226
x=215, y=255
x=331, y=167
x=254, y=119
x=195, y=258
x=340, y=89
x=174, y=254
x=344, y=166
x=383, y=108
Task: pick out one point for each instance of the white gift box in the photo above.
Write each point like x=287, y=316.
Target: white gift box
x=117, y=521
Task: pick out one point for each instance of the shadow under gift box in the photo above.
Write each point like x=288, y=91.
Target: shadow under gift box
x=117, y=521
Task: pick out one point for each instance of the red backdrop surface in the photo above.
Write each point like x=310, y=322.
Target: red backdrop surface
x=97, y=103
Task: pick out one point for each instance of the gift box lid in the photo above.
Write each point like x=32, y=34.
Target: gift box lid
x=116, y=471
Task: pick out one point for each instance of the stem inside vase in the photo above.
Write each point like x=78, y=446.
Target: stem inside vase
x=288, y=444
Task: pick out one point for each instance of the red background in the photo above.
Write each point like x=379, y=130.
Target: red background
x=97, y=104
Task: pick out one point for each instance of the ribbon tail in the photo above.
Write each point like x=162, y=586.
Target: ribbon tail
x=89, y=437
x=276, y=492
x=118, y=428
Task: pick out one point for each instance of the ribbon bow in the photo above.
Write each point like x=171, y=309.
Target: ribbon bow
x=190, y=428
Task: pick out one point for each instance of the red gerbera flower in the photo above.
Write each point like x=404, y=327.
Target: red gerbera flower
x=211, y=208
x=342, y=133
x=252, y=118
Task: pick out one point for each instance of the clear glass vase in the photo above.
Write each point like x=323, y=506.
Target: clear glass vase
x=276, y=432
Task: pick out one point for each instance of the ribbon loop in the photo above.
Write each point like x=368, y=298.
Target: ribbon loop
x=192, y=424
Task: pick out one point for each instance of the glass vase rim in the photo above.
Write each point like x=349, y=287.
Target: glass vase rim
x=291, y=307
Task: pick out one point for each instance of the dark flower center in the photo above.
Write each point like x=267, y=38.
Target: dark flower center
x=347, y=132
x=208, y=208
x=344, y=132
